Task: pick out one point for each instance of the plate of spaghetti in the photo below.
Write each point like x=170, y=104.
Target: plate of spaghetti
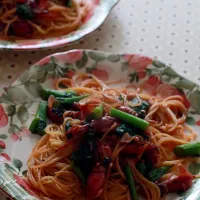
x=39, y=24
x=91, y=125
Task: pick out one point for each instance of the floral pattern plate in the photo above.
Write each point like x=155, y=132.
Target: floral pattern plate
x=98, y=11
x=20, y=101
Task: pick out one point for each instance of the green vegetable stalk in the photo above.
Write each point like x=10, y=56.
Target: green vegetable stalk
x=141, y=167
x=97, y=113
x=69, y=3
x=131, y=183
x=158, y=173
x=190, y=149
x=45, y=93
x=127, y=128
x=70, y=100
x=79, y=173
x=128, y=118
x=39, y=122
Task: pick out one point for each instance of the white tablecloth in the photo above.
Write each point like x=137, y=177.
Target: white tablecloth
x=166, y=29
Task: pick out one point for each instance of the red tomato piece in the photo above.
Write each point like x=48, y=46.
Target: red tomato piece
x=22, y=28
x=95, y=183
x=42, y=4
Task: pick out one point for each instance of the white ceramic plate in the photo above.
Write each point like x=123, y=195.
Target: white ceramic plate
x=20, y=100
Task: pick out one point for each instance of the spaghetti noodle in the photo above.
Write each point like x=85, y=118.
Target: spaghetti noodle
x=40, y=18
x=84, y=157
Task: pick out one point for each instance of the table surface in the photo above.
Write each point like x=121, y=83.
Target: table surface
x=168, y=30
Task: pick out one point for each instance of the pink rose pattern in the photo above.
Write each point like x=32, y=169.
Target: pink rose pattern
x=14, y=137
x=102, y=72
x=44, y=61
x=141, y=75
x=166, y=90
x=154, y=86
x=151, y=84
x=2, y=144
x=198, y=123
x=23, y=183
x=70, y=73
x=71, y=57
x=5, y=156
x=137, y=62
x=3, y=117
x=24, y=132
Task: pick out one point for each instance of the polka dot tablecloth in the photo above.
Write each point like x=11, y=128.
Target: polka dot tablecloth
x=168, y=30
